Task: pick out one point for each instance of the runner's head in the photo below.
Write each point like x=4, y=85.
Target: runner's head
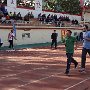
x=85, y=27
x=68, y=32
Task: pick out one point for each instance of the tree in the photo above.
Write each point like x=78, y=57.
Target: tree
x=69, y=6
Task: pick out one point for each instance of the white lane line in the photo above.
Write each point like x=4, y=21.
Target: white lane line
x=78, y=83
x=1, y=78
x=34, y=81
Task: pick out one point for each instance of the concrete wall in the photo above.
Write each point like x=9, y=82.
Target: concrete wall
x=87, y=17
x=36, y=36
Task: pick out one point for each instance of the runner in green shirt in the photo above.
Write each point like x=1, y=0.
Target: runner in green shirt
x=69, y=44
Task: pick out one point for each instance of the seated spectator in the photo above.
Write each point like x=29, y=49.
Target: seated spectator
x=2, y=8
x=19, y=17
x=48, y=19
x=39, y=17
x=1, y=14
x=76, y=22
x=55, y=17
x=26, y=18
x=11, y=15
x=0, y=42
x=43, y=17
x=73, y=22
x=14, y=16
x=7, y=17
x=3, y=19
x=31, y=15
x=52, y=18
x=6, y=12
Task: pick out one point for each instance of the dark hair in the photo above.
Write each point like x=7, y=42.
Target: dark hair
x=54, y=30
x=69, y=31
x=86, y=26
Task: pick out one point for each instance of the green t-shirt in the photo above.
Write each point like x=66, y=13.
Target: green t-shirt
x=69, y=43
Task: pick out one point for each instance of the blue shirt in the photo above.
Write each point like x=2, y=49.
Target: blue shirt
x=86, y=43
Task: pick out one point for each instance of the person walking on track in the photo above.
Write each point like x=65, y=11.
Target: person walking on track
x=86, y=48
x=69, y=44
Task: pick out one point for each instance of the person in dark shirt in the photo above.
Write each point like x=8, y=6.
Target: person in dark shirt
x=54, y=39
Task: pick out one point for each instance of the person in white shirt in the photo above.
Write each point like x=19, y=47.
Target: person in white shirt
x=10, y=38
x=3, y=19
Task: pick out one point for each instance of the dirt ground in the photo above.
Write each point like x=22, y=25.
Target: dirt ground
x=41, y=69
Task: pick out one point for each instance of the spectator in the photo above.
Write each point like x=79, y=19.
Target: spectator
x=31, y=15
x=43, y=17
x=3, y=19
x=48, y=19
x=6, y=12
x=7, y=17
x=11, y=15
x=39, y=17
x=2, y=8
x=19, y=17
x=1, y=14
x=14, y=16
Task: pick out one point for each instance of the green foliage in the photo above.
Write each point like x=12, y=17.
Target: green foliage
x=69, y=6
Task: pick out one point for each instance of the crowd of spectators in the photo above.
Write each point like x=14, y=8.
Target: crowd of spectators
x=43, y=18
x=28, y=16
x=8, y=17
x=58, y=21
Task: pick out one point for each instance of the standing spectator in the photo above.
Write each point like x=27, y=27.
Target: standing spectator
x=86, y=48
x=69, y=44
x=54, y=39
x=10, y=39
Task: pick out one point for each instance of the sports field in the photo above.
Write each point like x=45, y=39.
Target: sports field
x=41, y=69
